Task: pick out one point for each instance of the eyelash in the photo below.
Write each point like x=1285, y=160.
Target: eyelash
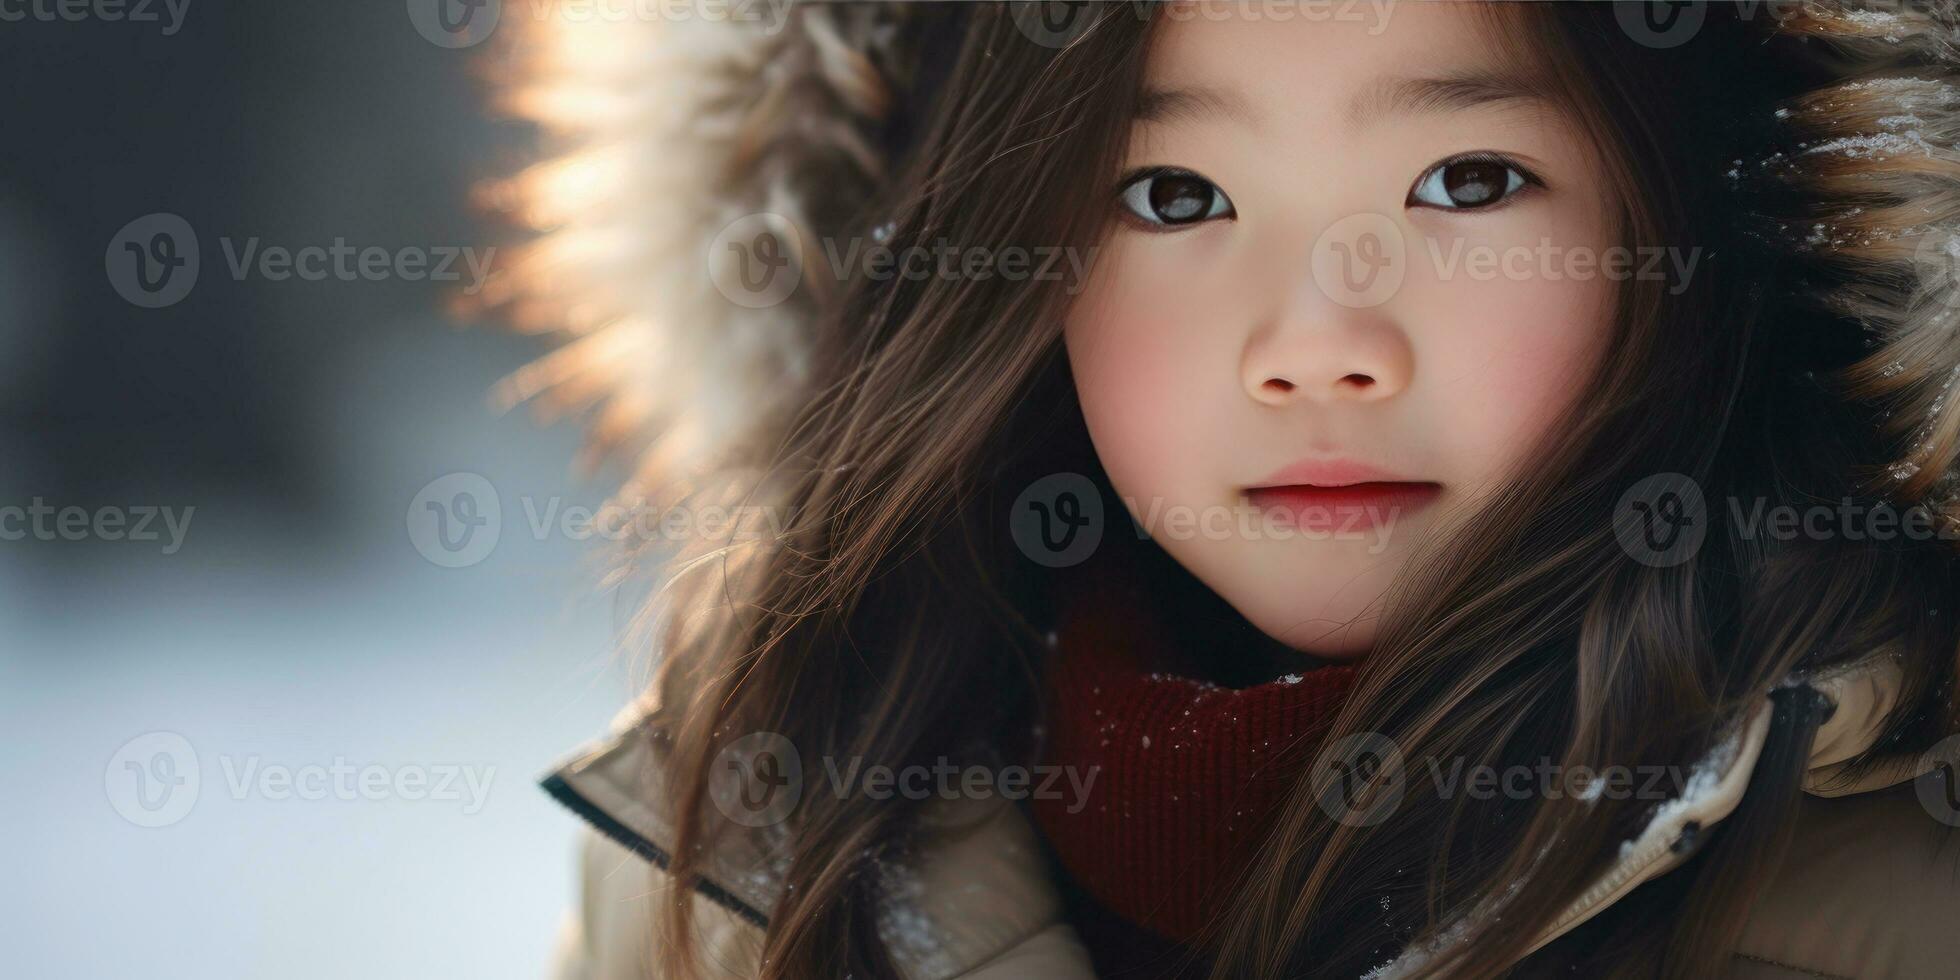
x=1527, y=180
x=1136, y=180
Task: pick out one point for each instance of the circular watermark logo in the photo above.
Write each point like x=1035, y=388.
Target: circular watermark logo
x=756, y=261
x=455, y=520
x=1058, y=520
x=1359, y=780
x=1053, y=23
x=1939, y=786
x=455, y=23
x=152, y=261
x=1661, y=520
x=1359, y=261
x=1661, y=23
x=757, y=779
x=153, y=779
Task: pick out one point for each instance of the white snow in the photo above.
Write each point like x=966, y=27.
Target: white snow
x=1874, y=145
x=1703, y=778
x=903, y=924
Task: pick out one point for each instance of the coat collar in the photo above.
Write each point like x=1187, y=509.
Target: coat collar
x=1862, y=695
x=981, y=884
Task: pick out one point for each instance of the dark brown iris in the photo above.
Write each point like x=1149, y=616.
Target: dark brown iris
x=1474, y=183
x=1176, y=198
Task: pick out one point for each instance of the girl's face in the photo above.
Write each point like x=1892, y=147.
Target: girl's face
x=1347, y=256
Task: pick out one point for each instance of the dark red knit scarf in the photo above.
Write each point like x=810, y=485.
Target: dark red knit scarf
x=1190, y=773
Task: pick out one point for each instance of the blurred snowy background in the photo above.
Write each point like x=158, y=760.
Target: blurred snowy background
x=295, y=627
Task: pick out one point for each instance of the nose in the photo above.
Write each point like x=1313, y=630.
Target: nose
x=1327, y=353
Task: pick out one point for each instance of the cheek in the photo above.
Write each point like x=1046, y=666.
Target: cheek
x=1134, y=355
x=1516, y=358
x=1519, y=341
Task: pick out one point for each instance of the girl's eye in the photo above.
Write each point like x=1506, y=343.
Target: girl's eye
x=1163, y=198
x=1469, y=182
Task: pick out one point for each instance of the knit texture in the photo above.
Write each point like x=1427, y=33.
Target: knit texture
x=1189, y=774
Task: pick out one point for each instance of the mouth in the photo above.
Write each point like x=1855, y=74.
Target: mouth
x=1336, y=496
x=1350, y=507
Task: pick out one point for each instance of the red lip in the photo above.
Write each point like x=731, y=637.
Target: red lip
x=1357, y=506
x=1340, y=495
x=1328, y=473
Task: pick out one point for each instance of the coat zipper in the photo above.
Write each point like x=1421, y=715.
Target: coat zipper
x=1648, y=856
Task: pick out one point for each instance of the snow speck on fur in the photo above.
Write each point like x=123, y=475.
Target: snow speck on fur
x=1911, y=93
x=1706, y=774
x=907, y=930
x=1881, y=23
x=1874, y=145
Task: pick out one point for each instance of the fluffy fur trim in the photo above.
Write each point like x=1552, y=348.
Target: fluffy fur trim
x=665, y=132
x=1878, y=155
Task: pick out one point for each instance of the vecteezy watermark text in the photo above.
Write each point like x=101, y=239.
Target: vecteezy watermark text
x=1852, y=520
x=1058, y=521
x=1361, y=779
x=154, y=261
x=1055, y=24
x=946, y=260
x=342, y=262
x=1246, y=522
x=1551, y=262
x=759, y=259
x=341, y=780
x=464, y=23
x=758, y=779
x=169, y=13
x=43, y=521
x=156, y=779
x=946, y=781
x=1662, y=520
x=456, y=520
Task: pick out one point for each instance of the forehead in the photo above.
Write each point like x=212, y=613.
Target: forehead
x=1316, y=61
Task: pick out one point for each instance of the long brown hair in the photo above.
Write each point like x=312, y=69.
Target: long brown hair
x=893, y=591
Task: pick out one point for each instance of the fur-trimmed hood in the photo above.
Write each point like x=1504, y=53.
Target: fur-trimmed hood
x=677, y=133
x=673, y=138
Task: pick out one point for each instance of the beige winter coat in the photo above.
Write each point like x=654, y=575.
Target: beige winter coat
x=1871, y=887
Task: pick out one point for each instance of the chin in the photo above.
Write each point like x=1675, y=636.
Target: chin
x=1332, y=642
x=1321, y=604
x=1338, y=631
x=1339, y=624
x=1303, y=602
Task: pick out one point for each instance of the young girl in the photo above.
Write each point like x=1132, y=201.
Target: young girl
x=1531, y=423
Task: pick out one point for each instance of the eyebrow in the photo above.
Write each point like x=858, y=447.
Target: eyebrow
x=1387, y=96
x=1448, y=93
x=1194, y=103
